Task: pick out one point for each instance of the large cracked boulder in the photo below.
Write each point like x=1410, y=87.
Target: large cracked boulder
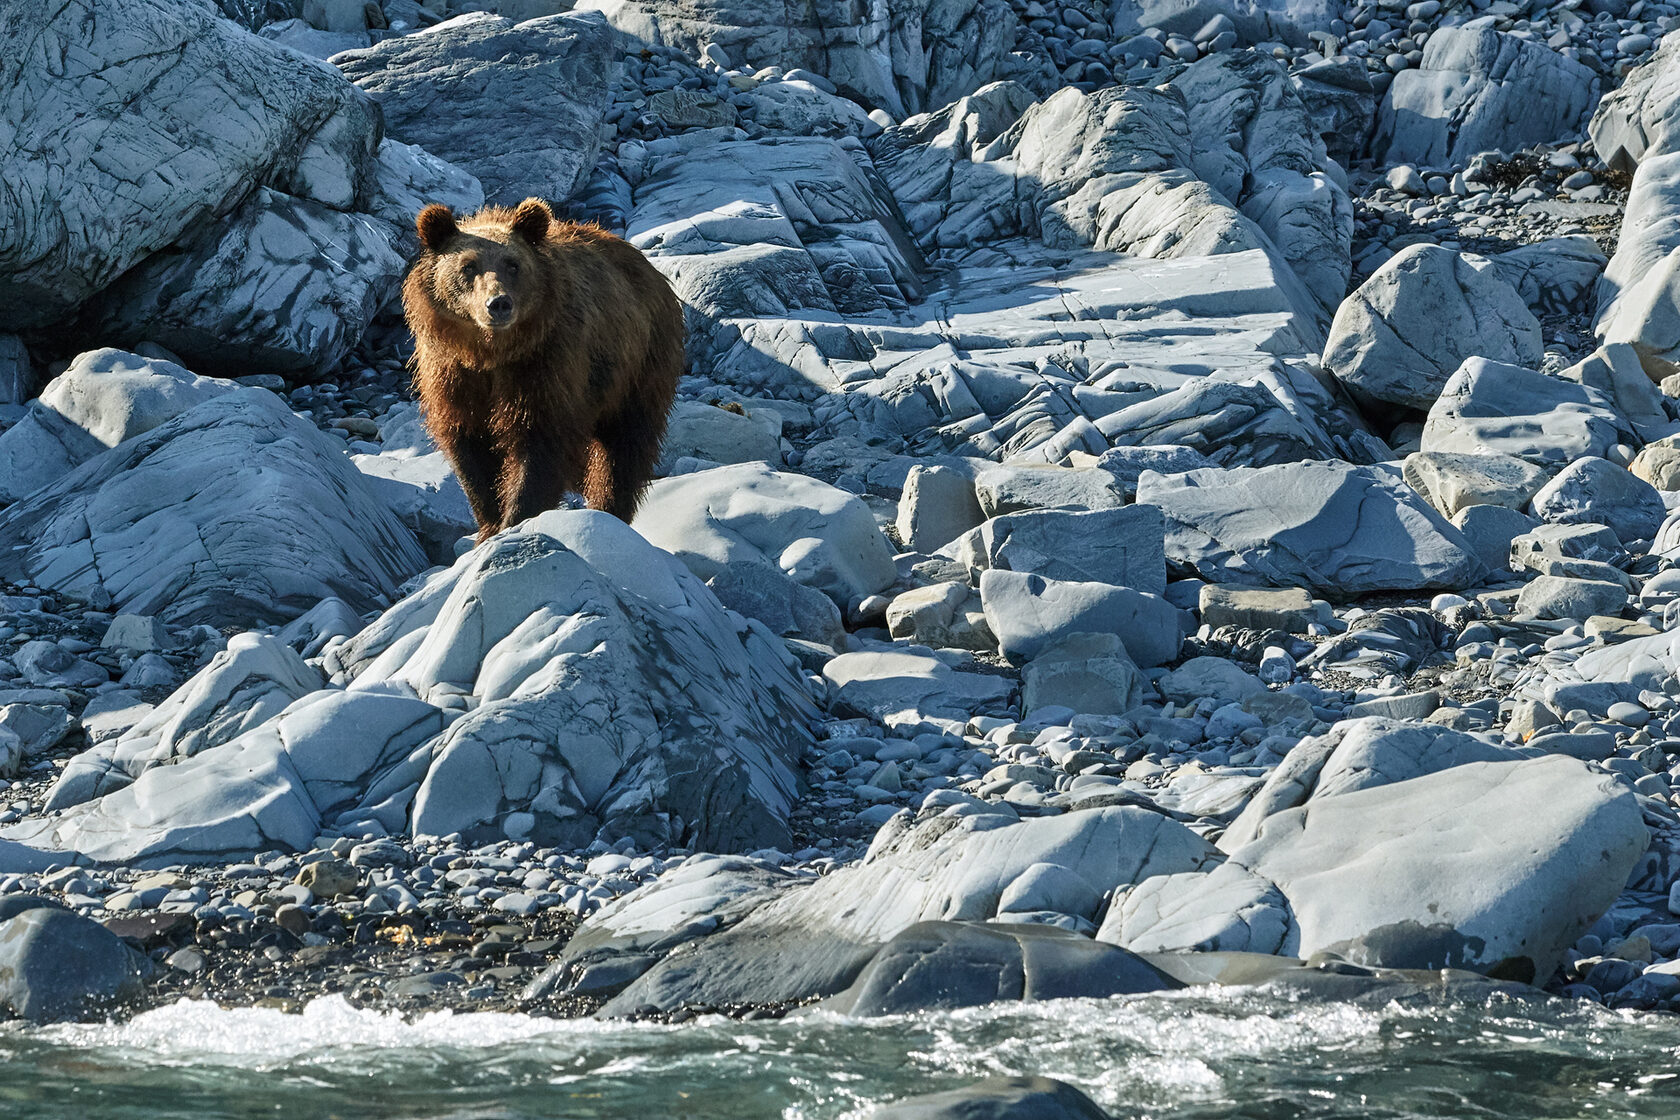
x=904, y=56
x=126, y=124
x=282, y=285
x=519, y=105
x=235, y=512
x=1337, y=529
x=562, y=683
x=1478, y=91
x=1397, y=339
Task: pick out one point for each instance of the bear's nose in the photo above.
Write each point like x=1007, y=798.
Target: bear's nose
x=500, y=309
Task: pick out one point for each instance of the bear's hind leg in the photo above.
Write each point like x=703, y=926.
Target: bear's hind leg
x=621, y=461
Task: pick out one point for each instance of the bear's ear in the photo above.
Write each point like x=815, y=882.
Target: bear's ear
x=435, y=225
x=531, y=220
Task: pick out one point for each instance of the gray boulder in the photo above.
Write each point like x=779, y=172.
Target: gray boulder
x=1639, y=294
x=244, y=686
x=947, y=965
x=1640, y=115
x=997, y=1098
x=789, y=609
x=905, y=56
x=151, y=88
x=1226, y=908
x=57, y=966
x=1256, y=144
x=519, y=105
x=545, y=688
x=1491, y=408
x=104, y=398
x=1496, y=867
x=236, y=511
x=1337, y=529
x=1478, y=91
x=819, y=535
x=1397, y=339
x=1597, y=491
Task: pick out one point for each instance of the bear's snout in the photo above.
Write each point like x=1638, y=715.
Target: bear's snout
x=499, y=310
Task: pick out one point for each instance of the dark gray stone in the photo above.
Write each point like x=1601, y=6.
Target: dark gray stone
x=946, y=965
x=57, y=966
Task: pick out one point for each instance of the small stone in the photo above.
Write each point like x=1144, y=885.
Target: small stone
x=329, y=878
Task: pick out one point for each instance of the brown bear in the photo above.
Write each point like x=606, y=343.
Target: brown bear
x=546, y=359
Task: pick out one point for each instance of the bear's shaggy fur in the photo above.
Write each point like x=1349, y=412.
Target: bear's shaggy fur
x=546, y=359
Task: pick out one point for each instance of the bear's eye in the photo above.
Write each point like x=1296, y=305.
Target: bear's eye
x=513, y=268
x=468, y=266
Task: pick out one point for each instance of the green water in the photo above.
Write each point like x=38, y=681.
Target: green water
x=1200, y=1055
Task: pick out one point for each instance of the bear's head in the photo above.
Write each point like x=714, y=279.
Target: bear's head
x=487, y=268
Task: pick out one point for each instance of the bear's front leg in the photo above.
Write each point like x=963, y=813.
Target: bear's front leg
x=536, y=475
x=478, y=467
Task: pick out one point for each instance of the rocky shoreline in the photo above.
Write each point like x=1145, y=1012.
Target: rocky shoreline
x=1160, y=498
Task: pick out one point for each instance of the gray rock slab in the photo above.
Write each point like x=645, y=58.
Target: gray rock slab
x=187, y=112
x=1452, y=482
x=904, y=686
x=518, y=105
x=1639, y=294
x=937, y=506
x=1567, y=597
x=1120, y=546
x=1223, y=909
x=236, y=511
x=1490, y=531
x=1491, y=866
x=904, y=58
x=1334, y=528
x=1028, y=614
x=1554, y=275
x=951, y=865
x=1009, y=488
